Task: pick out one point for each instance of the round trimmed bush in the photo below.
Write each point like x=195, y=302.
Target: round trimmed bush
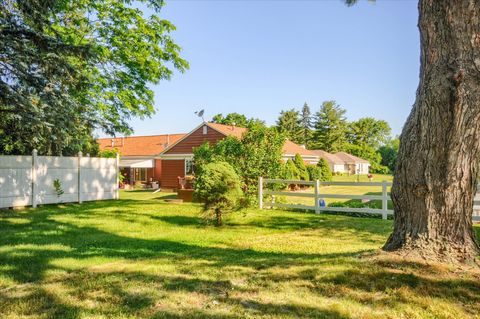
x=218, y=186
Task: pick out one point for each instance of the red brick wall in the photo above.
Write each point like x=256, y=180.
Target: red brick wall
x=171, y=169
x=196, y=139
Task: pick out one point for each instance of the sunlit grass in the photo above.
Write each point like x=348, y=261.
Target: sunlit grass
x=140, y=257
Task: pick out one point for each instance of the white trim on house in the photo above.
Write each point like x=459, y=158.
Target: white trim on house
x=138, y=163
x=174, y=156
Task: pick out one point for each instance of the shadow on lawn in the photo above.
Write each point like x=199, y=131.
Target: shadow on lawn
x=42, y=239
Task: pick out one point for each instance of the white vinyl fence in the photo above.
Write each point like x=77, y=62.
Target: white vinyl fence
x=317, y=195
x=29, y=180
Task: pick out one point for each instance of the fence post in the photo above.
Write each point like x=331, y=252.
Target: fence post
x=384, y=200
x=117, y=171
x=317, y=193
x=34, y=178
x=260, y=192
x=79, y=187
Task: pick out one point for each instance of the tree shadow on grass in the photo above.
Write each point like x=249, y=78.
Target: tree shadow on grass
x=181, y=220
x=28, y=249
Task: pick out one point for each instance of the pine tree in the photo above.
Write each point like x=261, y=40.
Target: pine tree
x=326, y=172
x=330, y=127
x=289, y=124
x=302, y=169
x=306, y=123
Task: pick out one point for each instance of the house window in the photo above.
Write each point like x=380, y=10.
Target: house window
x=205, y=130
x=140, y=174
x=189, y=167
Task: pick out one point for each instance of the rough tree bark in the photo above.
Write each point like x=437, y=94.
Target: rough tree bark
x=437, y=167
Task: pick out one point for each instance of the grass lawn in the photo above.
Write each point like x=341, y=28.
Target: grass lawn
x=140, y=257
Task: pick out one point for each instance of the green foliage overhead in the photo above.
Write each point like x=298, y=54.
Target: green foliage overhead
x=70, y=67
x=302, y=168
x=218, y=186
x=325, y=171
x=330, y=127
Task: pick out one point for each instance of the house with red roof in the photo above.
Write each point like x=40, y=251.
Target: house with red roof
x=167, y=157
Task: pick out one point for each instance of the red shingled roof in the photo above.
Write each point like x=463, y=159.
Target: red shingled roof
x=156, y=144
x=139, y=145
x=228, y=130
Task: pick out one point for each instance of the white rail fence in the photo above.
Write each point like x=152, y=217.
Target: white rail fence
x=29, y=180
x=317, y=195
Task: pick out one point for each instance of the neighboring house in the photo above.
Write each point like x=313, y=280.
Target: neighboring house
x=138, y=155
x=290, y=149
x=177, y=160
x=165, y=158
x=342, y=162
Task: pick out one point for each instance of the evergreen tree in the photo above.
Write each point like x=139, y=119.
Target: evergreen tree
x=289, y=124
x=330, y=127
x=326, y=172
x=306, y=123
x=290, y=171
x=302, y=169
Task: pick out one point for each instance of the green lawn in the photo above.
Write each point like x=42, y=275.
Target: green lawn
x=140, y=257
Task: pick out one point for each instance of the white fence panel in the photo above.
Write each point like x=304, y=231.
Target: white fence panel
x=29, y=180
x=98, y=178
x=50, y=168
x=15, y=181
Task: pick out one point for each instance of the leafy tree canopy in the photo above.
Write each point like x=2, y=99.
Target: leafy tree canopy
x=258, y=153
x=70, y=67
x=389, y=153
x=369, y=131
x=237, y=119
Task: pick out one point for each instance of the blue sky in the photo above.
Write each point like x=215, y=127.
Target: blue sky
x=261, y=57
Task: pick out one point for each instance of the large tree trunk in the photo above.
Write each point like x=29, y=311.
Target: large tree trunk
x=436, y=176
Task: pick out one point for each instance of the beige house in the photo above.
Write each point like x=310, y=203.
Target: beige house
x=342, y=162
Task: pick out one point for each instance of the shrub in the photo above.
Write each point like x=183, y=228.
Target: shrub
x=326, y=172
x=290, y=171
x=257, y=153
x=302, y=169
x=314, y=172
x=218, y=186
